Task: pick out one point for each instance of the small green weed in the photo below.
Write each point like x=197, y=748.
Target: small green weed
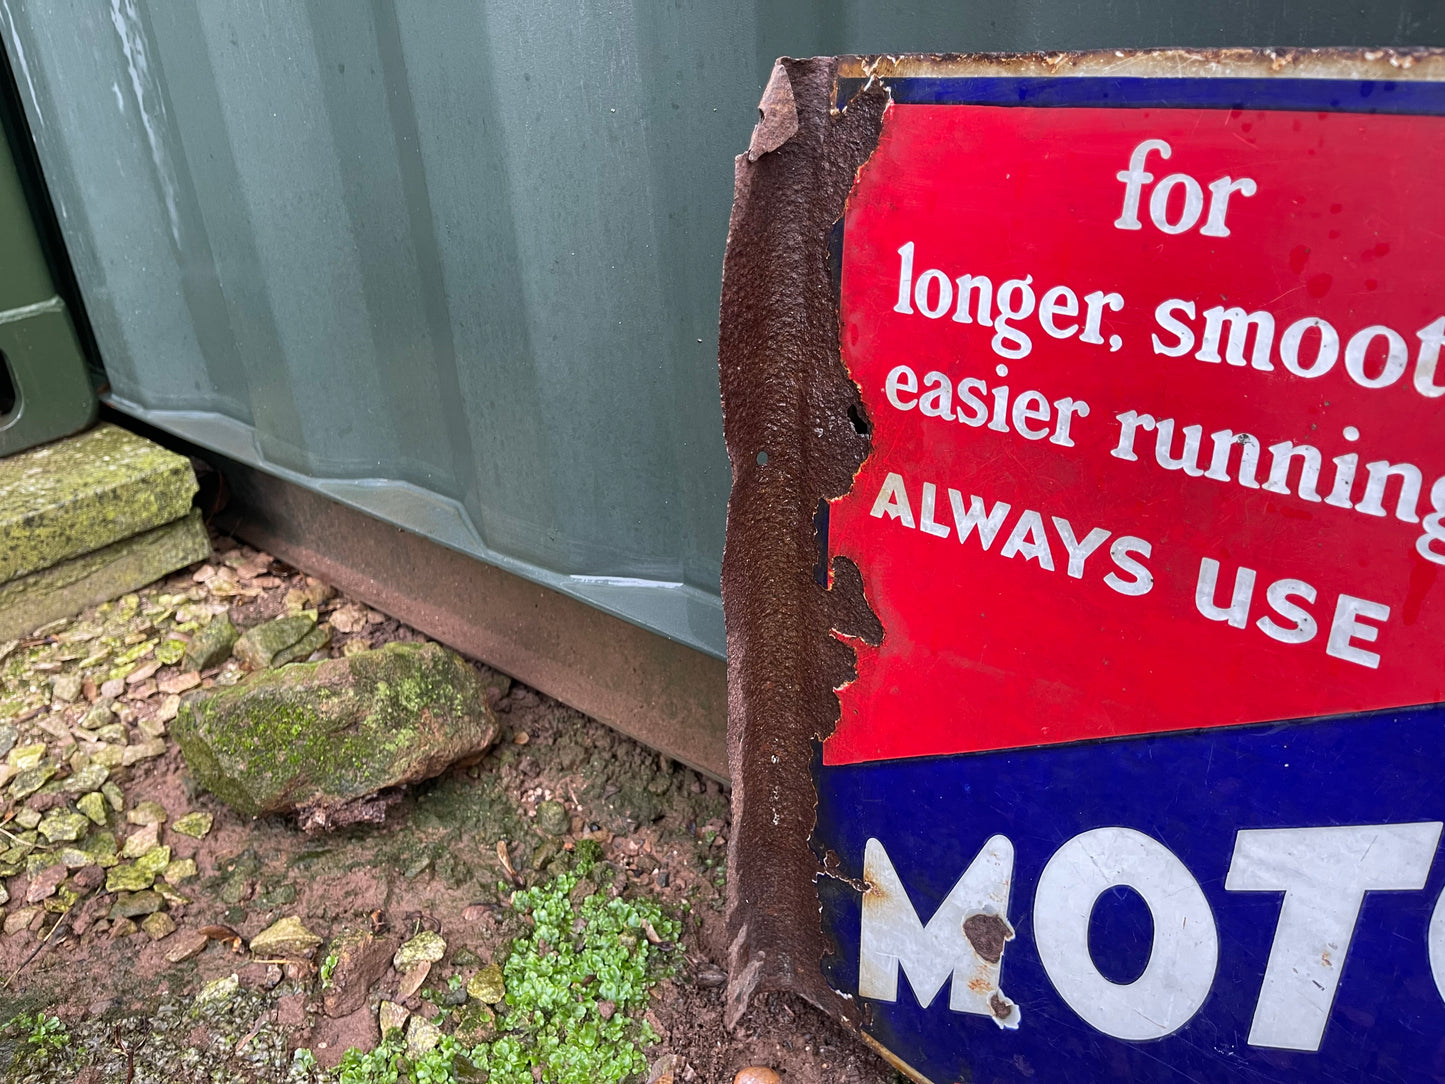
x=384, y=1065
x=573, y=986
x=42, y=1036
x=328, y=969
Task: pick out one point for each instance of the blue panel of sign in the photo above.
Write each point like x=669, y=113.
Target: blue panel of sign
x=1269, y=833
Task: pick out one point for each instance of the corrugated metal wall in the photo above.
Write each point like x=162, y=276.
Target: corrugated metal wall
x=456, y=263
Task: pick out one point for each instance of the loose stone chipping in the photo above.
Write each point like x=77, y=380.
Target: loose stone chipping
x=286, y=937
x=260, y=647
x=210, y=646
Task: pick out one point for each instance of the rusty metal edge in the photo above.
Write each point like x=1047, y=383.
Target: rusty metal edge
x=655, y=690
x=786, y=402
x=1321, y=63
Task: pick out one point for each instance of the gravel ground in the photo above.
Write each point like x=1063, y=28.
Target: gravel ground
x=106, y=980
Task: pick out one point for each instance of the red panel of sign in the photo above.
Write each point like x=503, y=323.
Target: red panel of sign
x=1153, y=396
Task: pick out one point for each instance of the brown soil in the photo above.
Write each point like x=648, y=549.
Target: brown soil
x=435, y=864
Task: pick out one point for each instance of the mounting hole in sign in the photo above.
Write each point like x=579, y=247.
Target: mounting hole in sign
x=762, y=459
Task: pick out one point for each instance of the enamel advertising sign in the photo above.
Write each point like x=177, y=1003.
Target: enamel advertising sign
x=1142, y=779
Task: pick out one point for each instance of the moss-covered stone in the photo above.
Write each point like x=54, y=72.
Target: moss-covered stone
x=314, y=640
x=28, y=782
x=425, y=948
x=552, y=818
x=63, y=827
x=259, y=646
x=87, y=779
x=320, y=736
x=128, y=879
x=158, y=926
x=63, y=590
x=179, y=871
x=84, y=493
x=211, y=645
x=155, y=861
x=196, y=825
x=147, y=812
x=93, y=806
x=487, y=985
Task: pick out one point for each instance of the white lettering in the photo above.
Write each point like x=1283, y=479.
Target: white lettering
x=1437, y=944
x=926, y=522
x=892, y=937
x=901, y=379
x=1183, y=334
x=1029, y=541
x=1122, y=551
x=1031, y=406
x=1278, y=595
x=1346, y=628
x=1237, y=613
x=905, y=279
x=1079, y=551
x=1324, y=874
x=937, y=399
x=1184, y=954
x=1325, y=356
x=945, y=293
x=1188, y=214
x=892, y=500
x=1061, y=301
x=1135, y=178
x=987, y=520
x=1395, y=359
x=1219, y=193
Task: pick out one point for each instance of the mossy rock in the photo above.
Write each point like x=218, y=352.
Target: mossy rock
x=211, y=645
x=318, y=737
x=260, y=646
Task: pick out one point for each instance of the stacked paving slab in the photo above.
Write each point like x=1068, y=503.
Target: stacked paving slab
x=88, y=519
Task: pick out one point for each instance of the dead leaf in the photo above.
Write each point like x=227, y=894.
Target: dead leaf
x=225, y=935
x=506, y=861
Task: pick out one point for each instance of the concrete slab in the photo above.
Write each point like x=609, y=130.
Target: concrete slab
x=67, y=588
x=83, y=493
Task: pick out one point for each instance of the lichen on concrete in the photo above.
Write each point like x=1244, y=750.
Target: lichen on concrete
x=65, y=589
x=317, y=736
x=86, y=492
